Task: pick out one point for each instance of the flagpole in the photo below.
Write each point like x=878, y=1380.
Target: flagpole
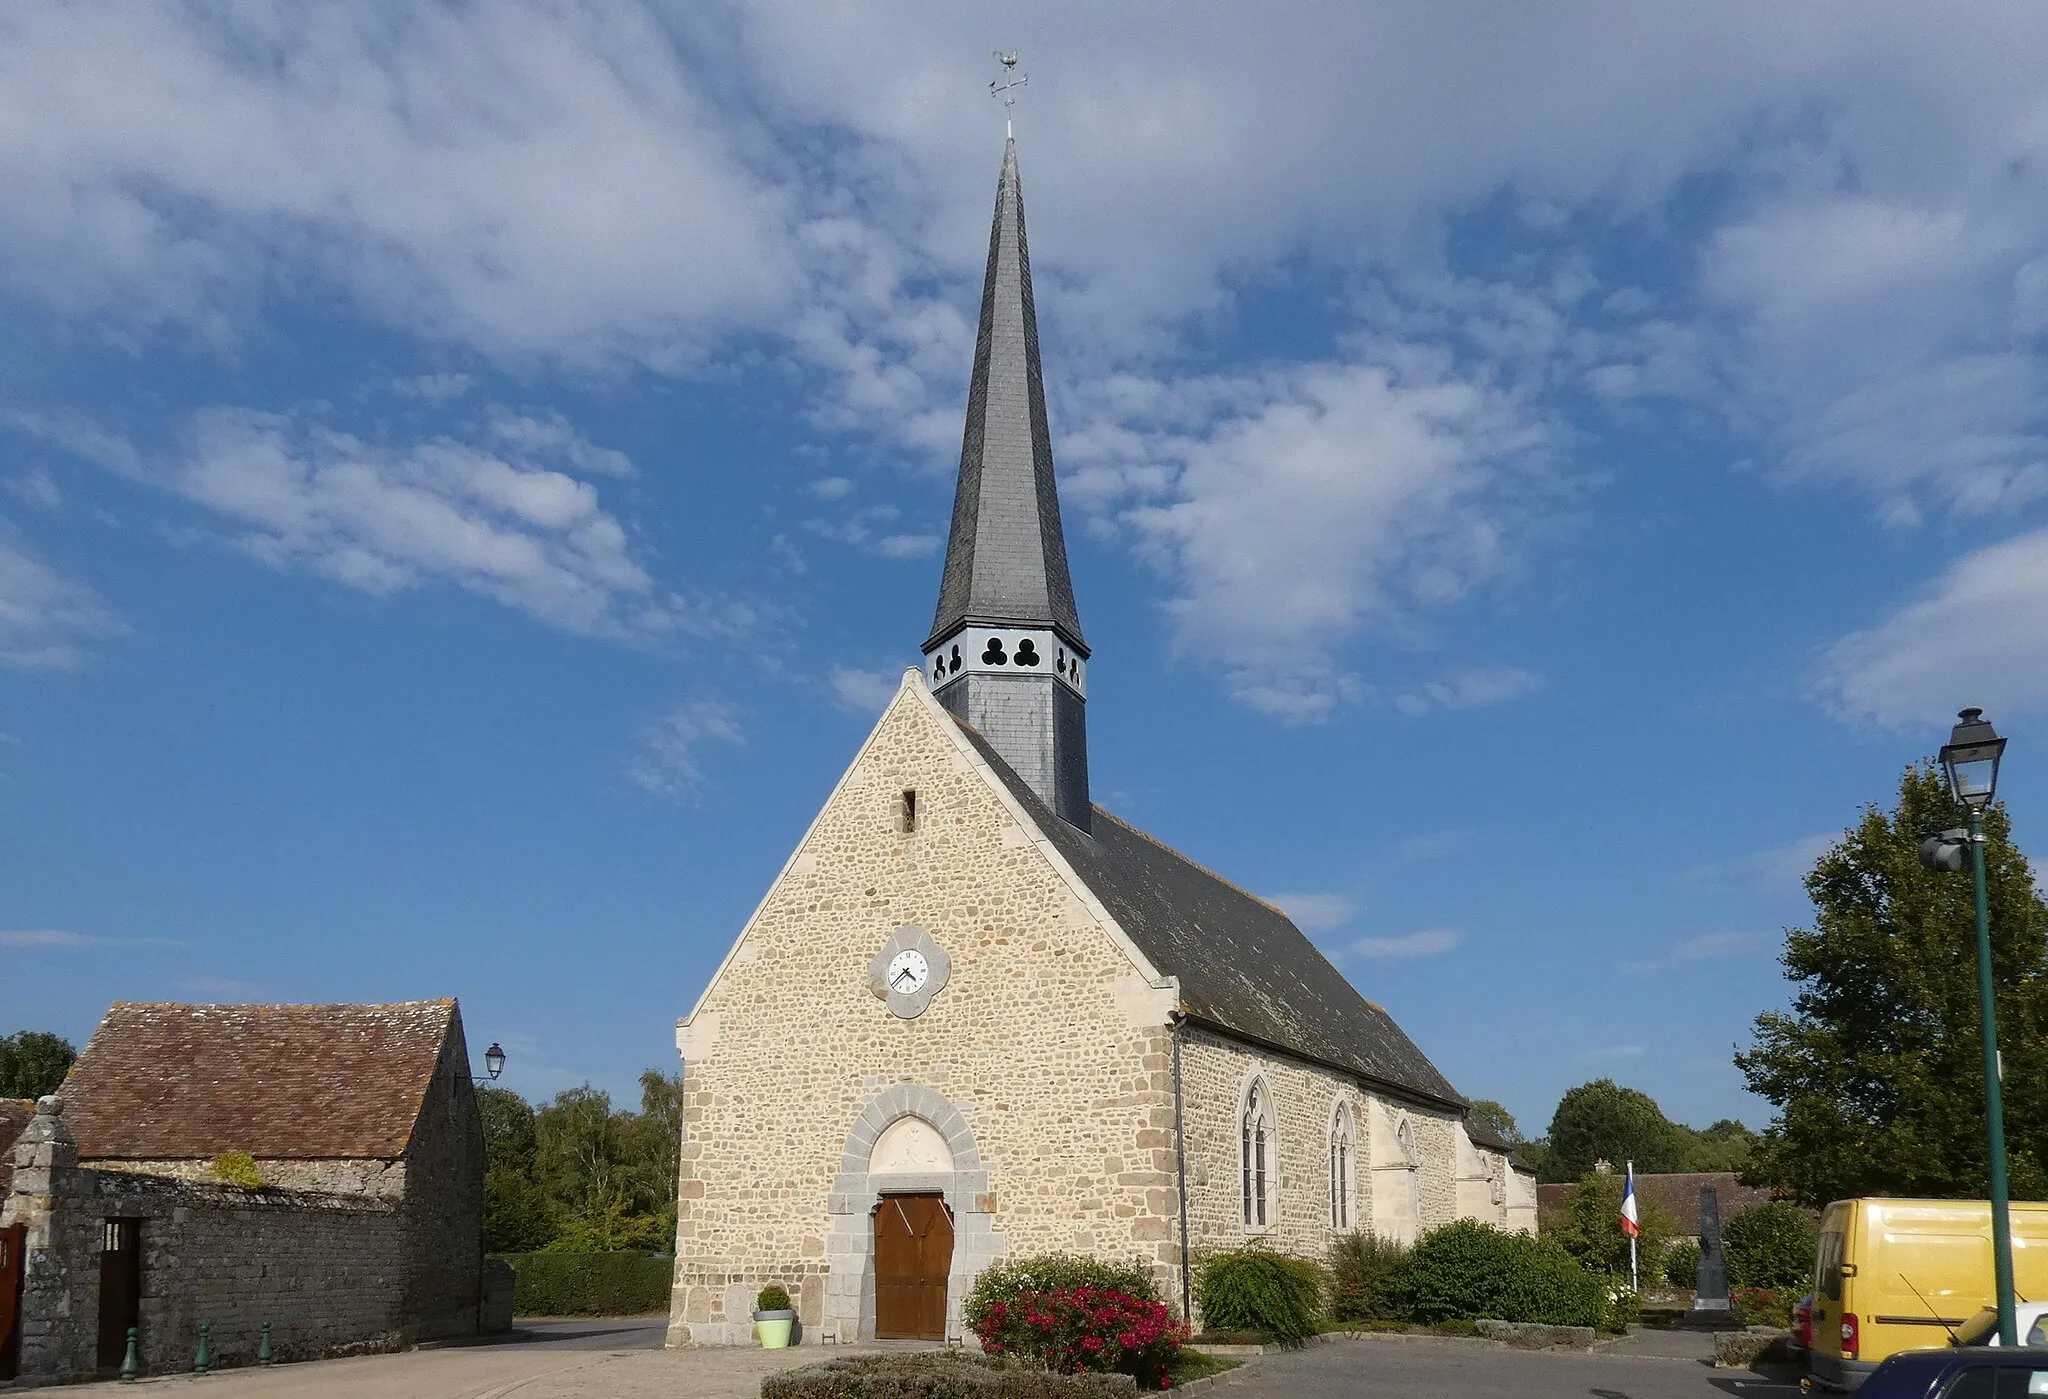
x=1635, y=1279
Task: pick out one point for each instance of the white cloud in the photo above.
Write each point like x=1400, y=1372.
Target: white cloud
x=1316, y=910
x=831, y=488
x=1423, y=944
x=60, y=938
x=44, y=617
x=671, y=763
x=863, y=691
x=552, y=436
x=383, y=520
x=908, y=546
x=1704, y=947
x=1478, y=687
x=1974, y=637
x=1312, y=505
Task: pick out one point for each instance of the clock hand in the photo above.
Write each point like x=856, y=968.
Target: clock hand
x=902, y=977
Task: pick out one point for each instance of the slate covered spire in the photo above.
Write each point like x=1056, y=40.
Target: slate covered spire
x=1006, y=562
x=1005, y=651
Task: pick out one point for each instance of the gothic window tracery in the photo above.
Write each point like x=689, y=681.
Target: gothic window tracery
x=1255, y=1156
x=1341, y=1139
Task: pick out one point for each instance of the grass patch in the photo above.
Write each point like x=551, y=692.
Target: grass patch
x=1231, y=1338
x=1194, y=1365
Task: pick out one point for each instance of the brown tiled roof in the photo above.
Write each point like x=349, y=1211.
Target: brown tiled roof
x=183, y=1082
x=14, y=1115
x=1677, y=1194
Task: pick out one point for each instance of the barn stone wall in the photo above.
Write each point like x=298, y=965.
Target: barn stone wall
x=326, y=1271
x=443, y=1202
x=1046, y=1044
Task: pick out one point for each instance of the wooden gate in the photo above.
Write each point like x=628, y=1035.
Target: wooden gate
x=13, y=1268
x=913, y=1256
x=120, y=1287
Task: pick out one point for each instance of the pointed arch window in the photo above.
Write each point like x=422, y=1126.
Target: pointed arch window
x=1256, y=1156
x=1341, y=1140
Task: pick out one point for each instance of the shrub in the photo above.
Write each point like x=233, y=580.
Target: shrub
x=1769, y=1246
x=589, y=1284
x=772, y=1298
x=1466, y=1270
x=1256, y=1289
x=938, y=1374
x=1071, y=1329
x=238, y=1168
x=1623, y=1310
x=1682, y=1264
x=1365, y=1275
x=1049, y=1272
x=1588, y=1227
x=1761, y=1306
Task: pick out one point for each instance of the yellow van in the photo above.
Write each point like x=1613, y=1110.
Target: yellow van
x=1893, y=1275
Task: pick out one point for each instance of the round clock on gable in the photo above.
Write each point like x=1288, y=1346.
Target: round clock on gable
x=908, y=971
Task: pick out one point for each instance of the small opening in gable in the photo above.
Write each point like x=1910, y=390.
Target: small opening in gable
x=906, y=811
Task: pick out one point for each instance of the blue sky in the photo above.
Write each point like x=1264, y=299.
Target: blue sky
x=473, y=474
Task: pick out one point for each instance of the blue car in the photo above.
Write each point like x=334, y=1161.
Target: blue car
x=1961, y=1372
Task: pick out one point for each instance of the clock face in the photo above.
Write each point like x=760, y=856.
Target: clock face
x=908, y=972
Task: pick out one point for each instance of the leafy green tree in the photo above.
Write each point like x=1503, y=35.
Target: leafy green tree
x=33, y=1063
x=1876, y=1071
x=1725, y=1146
x=1770, y=1245
x=508, y=1129
x=518, y=1215
x=1500, y=1118
x=1602, y=1121
x=1588, y=1227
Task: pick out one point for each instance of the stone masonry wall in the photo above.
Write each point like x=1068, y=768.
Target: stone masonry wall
x=1045, y=1056
x=1215, y=1073
x=366, y=1177
x=444, y=1203
x=327, y=1273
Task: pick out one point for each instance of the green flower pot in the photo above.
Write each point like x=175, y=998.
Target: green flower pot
x=773, y=1328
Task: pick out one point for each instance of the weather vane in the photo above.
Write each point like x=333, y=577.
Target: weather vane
x=1006, y=86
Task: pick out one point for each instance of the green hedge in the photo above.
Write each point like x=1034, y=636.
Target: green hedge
x=590, y=1284
x=938, y=1375
x=1682, y=1264
x=1467, y=1270
x=1769, y=1246
x=1256, y=1289
x=1365, y=1277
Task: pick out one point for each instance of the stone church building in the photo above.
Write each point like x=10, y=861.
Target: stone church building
x=977, y=1016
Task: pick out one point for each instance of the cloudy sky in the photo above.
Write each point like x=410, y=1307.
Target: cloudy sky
x=473, y=474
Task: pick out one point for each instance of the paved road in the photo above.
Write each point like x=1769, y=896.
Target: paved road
x=596, y=1333
x=620, y=1359
x=1403, y=1367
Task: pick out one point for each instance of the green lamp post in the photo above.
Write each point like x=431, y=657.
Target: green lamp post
x=1970, y=758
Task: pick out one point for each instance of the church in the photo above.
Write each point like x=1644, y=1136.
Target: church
x=977, y=1017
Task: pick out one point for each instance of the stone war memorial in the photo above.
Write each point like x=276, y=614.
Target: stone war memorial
x=977, y=1016
x=306, y=1176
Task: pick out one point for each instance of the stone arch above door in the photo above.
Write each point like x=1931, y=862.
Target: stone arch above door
x=858, y=1188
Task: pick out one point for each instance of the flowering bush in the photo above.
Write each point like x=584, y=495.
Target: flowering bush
x=1761, y=1306
x=1070, y=1329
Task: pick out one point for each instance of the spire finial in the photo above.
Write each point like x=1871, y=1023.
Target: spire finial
x=1006, y=87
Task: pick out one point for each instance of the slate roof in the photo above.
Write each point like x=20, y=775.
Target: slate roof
x=1006, y=558
x=14, y=1115
x=1244, y=967
x=161, y=1081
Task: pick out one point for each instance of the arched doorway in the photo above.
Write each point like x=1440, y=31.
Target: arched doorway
x=913, y=1258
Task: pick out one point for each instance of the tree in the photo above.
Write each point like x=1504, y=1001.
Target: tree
x=1725, y=1146
x=33, y=1063
x=1876, y=1071
x=1499, y=1118
x=1602, y=1121
x=508, y=1129
x=1588, y=1227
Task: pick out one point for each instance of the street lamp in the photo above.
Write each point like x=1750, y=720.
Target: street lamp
x=494, y=1061
x=1970, y=758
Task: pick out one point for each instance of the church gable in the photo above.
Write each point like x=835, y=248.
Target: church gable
x=920, y=839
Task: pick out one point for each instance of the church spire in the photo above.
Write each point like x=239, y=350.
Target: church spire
x=1006, y=651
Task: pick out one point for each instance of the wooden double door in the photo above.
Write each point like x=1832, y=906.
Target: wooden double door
x=913, y=1258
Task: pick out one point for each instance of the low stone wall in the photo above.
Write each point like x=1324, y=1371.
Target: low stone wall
x=327, y=1272
x=1529, y=1335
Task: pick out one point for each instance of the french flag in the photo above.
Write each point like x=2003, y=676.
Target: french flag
x=1630, y=1224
